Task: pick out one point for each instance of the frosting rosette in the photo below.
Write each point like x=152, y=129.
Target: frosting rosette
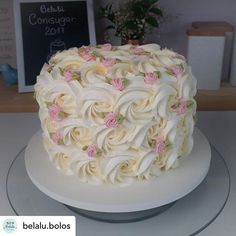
x=116, y=114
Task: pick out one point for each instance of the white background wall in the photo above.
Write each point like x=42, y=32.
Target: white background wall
x=179, y=15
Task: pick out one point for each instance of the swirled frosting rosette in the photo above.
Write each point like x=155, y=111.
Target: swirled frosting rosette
x=116, y=114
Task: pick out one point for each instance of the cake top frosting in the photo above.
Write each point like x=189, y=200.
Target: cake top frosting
x=105, y=72
x=127, y=110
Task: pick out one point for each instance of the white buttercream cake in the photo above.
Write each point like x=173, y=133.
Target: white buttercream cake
x=116, y=114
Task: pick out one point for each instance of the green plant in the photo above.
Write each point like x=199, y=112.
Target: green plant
x=133, y=19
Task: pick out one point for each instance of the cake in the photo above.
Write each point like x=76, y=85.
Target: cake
x=116, y=114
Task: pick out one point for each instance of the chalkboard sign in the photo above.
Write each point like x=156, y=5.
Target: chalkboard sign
x=43, y=28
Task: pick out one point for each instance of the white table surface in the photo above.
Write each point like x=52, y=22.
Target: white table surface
x=220, y=128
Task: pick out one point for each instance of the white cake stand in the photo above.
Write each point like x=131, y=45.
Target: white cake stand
x=133, y=202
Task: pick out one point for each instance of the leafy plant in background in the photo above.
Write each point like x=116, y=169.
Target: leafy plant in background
x=133, y=19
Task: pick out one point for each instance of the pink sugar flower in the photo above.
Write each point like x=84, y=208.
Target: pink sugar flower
x=54, y=111
x=87, y=55
x=118, y=84
x=106, y=47
x=150, y=78
x=177, y=70
x=68, y=73
x=182, y=108
x=159, y=146
x=92, y=150
x=108, y=62
x=111, y=120
x=137, y=50
x=57, y=137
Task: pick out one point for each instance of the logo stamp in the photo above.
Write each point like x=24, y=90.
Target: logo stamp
x=9, y=225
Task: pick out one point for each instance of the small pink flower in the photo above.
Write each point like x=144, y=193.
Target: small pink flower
x=92, y=150
x=177, y=70
x=159, y=146
x=57, y=137
x=137, y=50
x=150, y=78
x=182, y=108
x=86, y=53
x=118, y=84
x=106, y=47
x=111, y=120
x=87, y=56
x=108, y=62
x=54, y=111
x=68, y=73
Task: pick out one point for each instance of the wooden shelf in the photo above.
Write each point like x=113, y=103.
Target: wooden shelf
x=12, y=101
x=221, y=100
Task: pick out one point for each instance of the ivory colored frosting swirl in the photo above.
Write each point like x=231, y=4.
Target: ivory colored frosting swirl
x=116, y=114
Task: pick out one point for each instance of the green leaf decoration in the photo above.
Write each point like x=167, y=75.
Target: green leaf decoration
x=190, y=104
x=95, y=54
x=125, y=81
x=153, y=142
x=120, y=118
x=156, y=11
x=48, y=104
x=108, y=80
x=167, y=145
x=99, y=152
x=176, y=105
x=151, y=20
x=80, y=50
x=103, y=115
x=170, y=72
x=114, y=48
x=158, y=74
x=141, y=74
x=49, y=68
x=85, y=148
x=62, y=114
x=76, y=76
x=60, y=142
x=61, y=71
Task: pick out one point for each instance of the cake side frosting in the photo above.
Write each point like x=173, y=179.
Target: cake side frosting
x=116, y=114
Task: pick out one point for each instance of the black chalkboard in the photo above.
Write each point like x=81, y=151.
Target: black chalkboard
x=48, y=27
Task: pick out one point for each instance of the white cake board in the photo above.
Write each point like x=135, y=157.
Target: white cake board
x=139, y=196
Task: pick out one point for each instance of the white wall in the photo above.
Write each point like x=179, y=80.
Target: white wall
x=179, y=15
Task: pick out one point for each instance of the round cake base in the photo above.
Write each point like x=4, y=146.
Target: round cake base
x=96, y=201
x=123, y=217
x=188, y=216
